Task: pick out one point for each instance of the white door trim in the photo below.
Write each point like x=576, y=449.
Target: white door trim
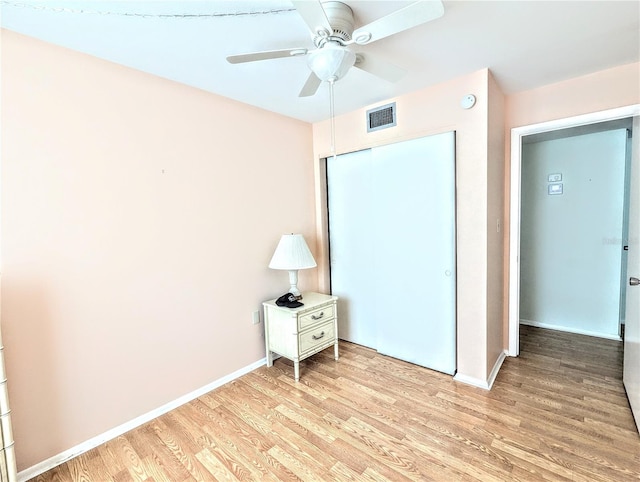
x=517, y=133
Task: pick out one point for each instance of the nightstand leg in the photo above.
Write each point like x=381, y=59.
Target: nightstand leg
x=296, y=370
x=336, y=349
x=269, y=356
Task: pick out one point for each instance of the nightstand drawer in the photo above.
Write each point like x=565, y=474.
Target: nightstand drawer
x=316, y=316
x=320, y=335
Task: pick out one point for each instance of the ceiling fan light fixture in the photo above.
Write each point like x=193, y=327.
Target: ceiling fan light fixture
x=331, y=62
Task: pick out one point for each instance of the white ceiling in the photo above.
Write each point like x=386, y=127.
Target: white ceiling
x=526, y=44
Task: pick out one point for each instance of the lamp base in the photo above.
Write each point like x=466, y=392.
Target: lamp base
x=293, y=282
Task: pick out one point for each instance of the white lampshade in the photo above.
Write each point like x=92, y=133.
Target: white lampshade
x=331, y=62
x=292, y=254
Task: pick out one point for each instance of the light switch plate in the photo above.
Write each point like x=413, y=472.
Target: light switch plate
x=555, y=177
x=555, y=188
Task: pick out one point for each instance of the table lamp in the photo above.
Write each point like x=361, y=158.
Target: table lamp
x=292, y=254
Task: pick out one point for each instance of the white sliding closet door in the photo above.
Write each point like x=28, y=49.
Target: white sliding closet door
x=414, y=198
x=349, y=181
x=392, y=215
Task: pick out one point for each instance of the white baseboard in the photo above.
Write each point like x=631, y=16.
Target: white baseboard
x=477, y=382
x=496, y=368
x=568, y=329
x=92, y=443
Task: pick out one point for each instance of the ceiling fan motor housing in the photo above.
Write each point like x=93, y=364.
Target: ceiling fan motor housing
x=340, y=18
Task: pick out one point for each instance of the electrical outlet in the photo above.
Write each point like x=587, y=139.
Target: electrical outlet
x=256, y=317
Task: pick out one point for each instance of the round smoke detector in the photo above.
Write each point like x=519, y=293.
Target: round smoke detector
x=468, y=101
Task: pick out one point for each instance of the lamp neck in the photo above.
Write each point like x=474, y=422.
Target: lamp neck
x=293, y=281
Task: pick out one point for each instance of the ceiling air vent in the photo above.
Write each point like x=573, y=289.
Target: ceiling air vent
x=381, y=117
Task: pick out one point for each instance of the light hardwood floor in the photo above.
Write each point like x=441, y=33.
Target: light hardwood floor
x=558, y=412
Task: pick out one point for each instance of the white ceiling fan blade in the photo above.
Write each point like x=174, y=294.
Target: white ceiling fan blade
x=313, y=15
x=380, y=68
x=310, y=86
x=267, y=54
x=398, y=21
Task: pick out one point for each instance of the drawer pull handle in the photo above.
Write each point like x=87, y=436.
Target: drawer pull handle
x=314, y=317
x=318, y=337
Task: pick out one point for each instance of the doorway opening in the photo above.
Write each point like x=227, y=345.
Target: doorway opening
x=573, y=186
x=518, y=137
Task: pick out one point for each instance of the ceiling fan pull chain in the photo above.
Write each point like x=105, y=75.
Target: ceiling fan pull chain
x=333, y=118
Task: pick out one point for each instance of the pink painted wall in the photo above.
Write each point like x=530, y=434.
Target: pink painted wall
x=607, y=89
x=429, y=111
x=137, y=225
x=495, y=217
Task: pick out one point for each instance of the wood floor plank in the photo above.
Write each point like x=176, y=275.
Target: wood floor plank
x=294, y=464
x=218, y=470
x=248, y=435
x=129, y=458
x=80, y=471
x=176, y=432
x=111, y=458
x=161, y=455
x=456, y=443
x=558, y=413
x=388, y=452
x=590, y=463
x=450, y=464
x=253, y=452
x=97, y=468
x=57, y=474
x=154, y=466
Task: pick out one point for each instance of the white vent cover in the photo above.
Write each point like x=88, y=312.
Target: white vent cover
x=381, y=117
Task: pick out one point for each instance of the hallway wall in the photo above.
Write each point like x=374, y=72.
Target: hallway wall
x=571, y=243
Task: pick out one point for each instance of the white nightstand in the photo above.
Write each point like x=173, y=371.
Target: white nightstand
x=298, y=333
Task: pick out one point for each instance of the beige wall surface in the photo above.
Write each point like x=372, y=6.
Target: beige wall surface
x=430, y=111
x=495, y=224
x=138, y=219
x=607, y=89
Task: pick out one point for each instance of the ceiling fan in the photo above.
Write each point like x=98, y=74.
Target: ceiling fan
x=332, y=30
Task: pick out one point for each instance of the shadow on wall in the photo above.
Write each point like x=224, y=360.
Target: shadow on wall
x=25, y=306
